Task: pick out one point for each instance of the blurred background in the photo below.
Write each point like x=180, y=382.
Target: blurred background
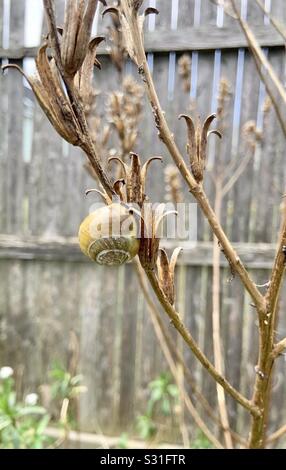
x=80, y=335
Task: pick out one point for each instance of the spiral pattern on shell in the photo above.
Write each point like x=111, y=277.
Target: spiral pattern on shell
x=108, y=236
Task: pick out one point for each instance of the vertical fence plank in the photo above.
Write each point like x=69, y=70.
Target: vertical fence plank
x=15, y=167
x=1, y=21
x=105, y=347
x=268, y=203
x=90, y=305
x=128, y=349
x=4, y=117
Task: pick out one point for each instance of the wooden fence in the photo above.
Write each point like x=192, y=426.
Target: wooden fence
x=48, y=289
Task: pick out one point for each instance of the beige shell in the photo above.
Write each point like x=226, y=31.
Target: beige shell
x=108, y=235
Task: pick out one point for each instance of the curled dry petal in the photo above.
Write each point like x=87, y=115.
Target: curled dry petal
x=191, y=133
x=103, y=195
x=164, y=277
x=174, y=258
x=83, y=79
x=117, y=186
x=146, y=166
x=121, y=163
x=216, y=132
x=160, y=219
x=135, y=177
x=204, y=136
x=50, y=95
x=151, y=11
x=113, y=10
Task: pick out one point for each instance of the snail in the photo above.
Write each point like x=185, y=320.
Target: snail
x=109, y=235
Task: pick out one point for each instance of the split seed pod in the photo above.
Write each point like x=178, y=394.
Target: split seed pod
x=166, y=273
x=197, y=144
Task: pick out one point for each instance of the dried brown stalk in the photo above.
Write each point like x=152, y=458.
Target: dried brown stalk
x=263, y=66
x=277, y=25
x=277, y=435
x=223, y=184
x=165, y=342
x=165, y=336
x=218, y=177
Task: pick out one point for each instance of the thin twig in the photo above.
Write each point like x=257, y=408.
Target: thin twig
x=218, y=357
x=172, y=347
x=279, y=348
x=154, y=312
x=186, y=335
x=263, y=61
x=277, y=25
x=277, y=434
x=191, y=408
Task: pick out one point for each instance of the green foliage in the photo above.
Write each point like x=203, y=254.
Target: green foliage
x=22, y=425
x=123, y=441
x=163, y=393
x=146, y=427
x=23, y=422
x=163, y=397
x=64, y=384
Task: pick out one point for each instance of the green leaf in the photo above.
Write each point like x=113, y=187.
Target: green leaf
x=166, y=407
x=173, y=390
x=43, y=424
x=31, y=410
x=5, y=421
x=156, y=394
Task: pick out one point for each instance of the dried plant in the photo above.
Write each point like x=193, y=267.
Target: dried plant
x=173, y=184
x=63, y=89
x=184, y=68
x=124, y=109
x=118, y=51
x=197, y=144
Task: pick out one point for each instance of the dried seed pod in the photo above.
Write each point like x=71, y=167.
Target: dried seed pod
x=109, y=235
x=166, y=272
x=197, y=144
x=135, y=177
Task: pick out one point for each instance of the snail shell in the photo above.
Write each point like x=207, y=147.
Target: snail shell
x=109, y=235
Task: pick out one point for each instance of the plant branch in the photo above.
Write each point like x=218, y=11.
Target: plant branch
x=261, y=60
x=180, y=327
x=277, y=434
x=156, y=318
x=164, y=343
x=277, y=25
x=236, y=174
x=279, y=348
x=278, y=271
x=218, y=357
